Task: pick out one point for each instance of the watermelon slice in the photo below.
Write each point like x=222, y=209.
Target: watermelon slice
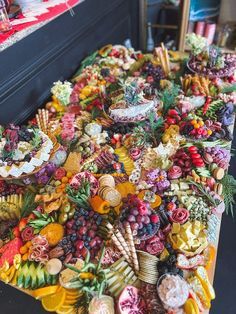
x=9, y=250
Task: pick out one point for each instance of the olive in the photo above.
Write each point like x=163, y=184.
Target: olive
x=63, y=218
x=66, y=208
x=71, y=213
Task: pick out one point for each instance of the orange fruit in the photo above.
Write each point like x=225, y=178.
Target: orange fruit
x=209, y=254
x=65, y=180
x=53, y=232
x=24, y=249
x=45, y=291
x=191, y=307
x=69, y=174
x=54, y=301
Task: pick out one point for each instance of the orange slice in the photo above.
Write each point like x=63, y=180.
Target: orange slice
x=45, y=291
x=191, y=307
x=66, y=310
x=53, y=302
x=209, y=254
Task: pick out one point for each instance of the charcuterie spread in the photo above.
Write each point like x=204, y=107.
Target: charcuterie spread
x=111, y=196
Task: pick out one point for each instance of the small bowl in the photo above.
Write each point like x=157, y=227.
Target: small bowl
x=185, y=297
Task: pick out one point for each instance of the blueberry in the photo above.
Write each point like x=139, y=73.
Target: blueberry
x=84, y=237
x=149, y=226
x=64, y=241
x=78, y=223
x=144, y=230
x=88, y=238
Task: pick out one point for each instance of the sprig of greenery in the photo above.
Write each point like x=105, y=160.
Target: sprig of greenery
x=229, y=193
x=28, y=204
x=86, y=62
x=168, y=96
x=228, y=89
x=155, y=124
x=36, y=140
x=204, y=193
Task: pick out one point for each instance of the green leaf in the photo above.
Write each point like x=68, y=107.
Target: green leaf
x=28, y=204
x=86, y=62
x=168, y=96
x=229, y=193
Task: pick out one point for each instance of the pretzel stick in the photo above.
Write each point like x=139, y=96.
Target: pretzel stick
x=132, y=247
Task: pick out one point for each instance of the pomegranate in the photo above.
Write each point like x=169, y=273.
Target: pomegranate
x=131, y=302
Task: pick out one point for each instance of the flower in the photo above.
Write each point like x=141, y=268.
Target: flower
x=154, y=246
x=179, y=215
x=174, y=172
x=196, y=43
x=62, y=91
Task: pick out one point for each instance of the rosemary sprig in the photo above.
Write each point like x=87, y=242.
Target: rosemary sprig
x=204, y=193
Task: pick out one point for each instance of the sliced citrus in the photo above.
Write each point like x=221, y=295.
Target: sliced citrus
x=191, y=307
x=45, y=291
x=66, y=310
x=209, y=254
x=54, y=301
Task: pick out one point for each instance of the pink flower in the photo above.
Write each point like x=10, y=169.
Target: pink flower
x=179, y=215
x=174, y=172
x=154, y=246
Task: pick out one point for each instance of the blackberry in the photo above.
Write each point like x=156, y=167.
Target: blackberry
x=105, y=72
x=171, y=260
x=163, y=270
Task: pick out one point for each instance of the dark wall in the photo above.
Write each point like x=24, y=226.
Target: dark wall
x=28, y=68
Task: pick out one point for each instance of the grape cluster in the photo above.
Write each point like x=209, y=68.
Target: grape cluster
x=140, y=216
x=9, y=189
x=82, y=232
x=155, y=71
x=105, y=72
x=120, y=128
x=86, y=149
x=25, y=135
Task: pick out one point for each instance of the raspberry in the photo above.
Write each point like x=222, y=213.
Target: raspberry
x=154, y=219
